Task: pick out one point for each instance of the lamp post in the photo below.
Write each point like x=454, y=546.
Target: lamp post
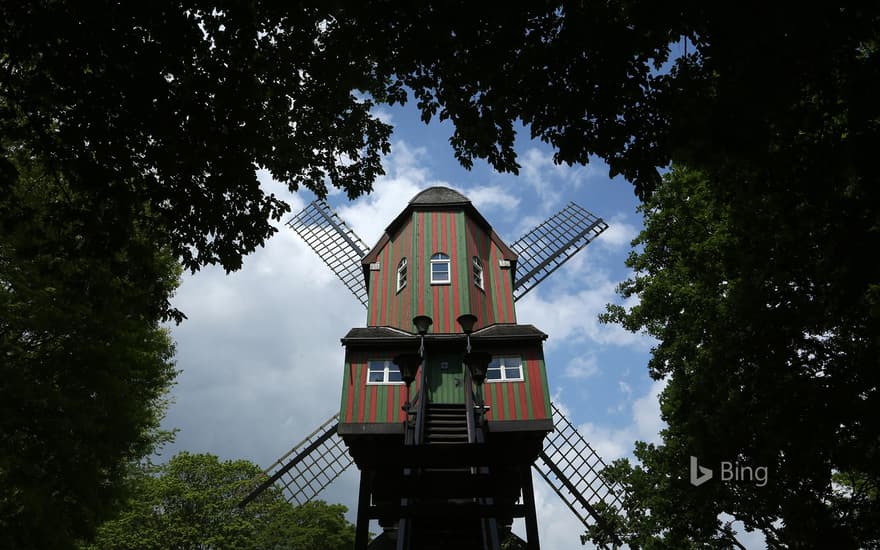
x=422, y=324
x=477, y=362
x=409, y=362
x=409, y=366
x=467, y=321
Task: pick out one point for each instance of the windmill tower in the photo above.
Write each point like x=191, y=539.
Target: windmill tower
x=445, y=404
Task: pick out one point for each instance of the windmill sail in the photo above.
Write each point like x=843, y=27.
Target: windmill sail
x=308, y=467
x=572, y=468
x=545, y=248
x=335, y=243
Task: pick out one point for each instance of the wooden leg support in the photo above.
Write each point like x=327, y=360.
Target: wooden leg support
x=531, y=517
x=362, y=530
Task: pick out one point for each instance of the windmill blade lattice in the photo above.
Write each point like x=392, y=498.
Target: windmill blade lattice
x=309, y=467
x=545, y=248
x=572, y=468
x=335, y=243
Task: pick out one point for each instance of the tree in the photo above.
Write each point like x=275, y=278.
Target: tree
x=176, y=104
x=768, y=335
x=191, y=503
x=85, y=363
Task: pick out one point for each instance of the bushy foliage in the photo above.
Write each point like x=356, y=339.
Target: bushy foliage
x=191, y=503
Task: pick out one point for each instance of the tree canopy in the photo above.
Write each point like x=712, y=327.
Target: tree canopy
x=767, y=333
x=191, y=503
x=85, y=363
x=174, y=105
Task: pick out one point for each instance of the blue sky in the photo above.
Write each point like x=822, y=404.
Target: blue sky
x=260, y=354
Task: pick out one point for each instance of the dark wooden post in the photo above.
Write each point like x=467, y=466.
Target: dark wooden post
x=362, y=530
x=531, y=518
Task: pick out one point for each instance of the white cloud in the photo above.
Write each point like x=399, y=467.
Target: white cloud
x=619, y=234
x=383, y=114
x=405, y=177
x=752, y=541
x=566, y=306
x=581, y=367
x=646, y=414
x=645, y=425
x=551, y=181
x=259, y=353
x=492, y=197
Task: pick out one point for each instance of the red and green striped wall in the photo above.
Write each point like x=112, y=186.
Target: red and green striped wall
x=528, y=399
x=374, y=403
x=454, y=234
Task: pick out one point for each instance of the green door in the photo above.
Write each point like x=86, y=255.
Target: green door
x=446, y=379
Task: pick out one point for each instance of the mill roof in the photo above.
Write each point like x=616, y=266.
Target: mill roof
x=436, y=198
x=439, y=196
x=499, y=331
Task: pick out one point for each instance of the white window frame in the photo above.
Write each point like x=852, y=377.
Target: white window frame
x=441, y=258
x=401, y=274
x=386, y=367
x=501, y=363
x=477, y=268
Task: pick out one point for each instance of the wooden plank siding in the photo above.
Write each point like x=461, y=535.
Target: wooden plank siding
x=528, y=399
x=387, y=306
x=453, y=234
x=374, y=403
x=525, y=400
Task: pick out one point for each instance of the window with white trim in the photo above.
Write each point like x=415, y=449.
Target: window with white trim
x=383, y=371
x=440, y=268
x=506, y=368
x=401, y=274
x=478, y=272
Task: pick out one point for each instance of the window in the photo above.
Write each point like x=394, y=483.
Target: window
x=439, y=268
x=383, y=371
x=504, y=369
x=401, y=274
x=478, y=272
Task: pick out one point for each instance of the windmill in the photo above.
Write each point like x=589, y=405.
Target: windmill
x=445, y=405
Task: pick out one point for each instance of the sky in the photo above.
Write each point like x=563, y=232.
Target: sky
x=260, y=357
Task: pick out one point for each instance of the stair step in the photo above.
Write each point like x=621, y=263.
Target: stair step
x=446, y=424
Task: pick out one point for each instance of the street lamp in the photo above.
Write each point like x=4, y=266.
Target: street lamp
x=422, y=324
x=409, y=366
x=478, y=363
x=467, y=322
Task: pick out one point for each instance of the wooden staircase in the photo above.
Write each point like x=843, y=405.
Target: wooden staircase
x=446, y=424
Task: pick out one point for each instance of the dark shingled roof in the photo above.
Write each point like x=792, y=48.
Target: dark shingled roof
x=509, y=331
x=377, y=332
x=492, y=332
x=439, y=195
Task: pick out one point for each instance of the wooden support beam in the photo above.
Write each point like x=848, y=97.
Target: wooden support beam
x=446, y=510
x=362, y=530
x=528, y=492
